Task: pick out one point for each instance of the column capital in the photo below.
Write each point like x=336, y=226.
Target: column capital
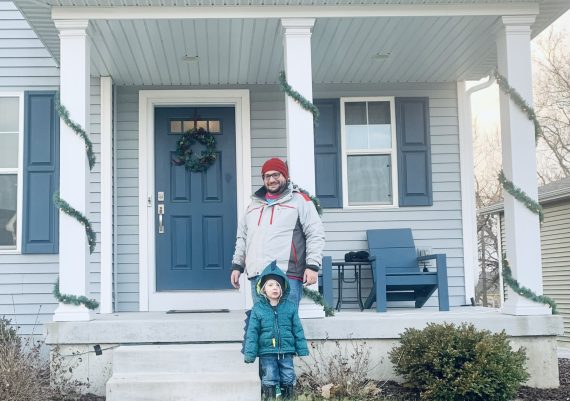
x=297, y=26
x=518, y=20
x=71, y=26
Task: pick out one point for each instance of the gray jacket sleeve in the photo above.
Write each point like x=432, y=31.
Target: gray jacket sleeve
x=314, y=233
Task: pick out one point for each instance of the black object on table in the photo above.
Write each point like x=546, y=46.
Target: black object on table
x=356, y=266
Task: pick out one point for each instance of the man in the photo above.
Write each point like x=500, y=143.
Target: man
x=281, y=223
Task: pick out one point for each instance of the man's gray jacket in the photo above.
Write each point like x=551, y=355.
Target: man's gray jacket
x=289, y=230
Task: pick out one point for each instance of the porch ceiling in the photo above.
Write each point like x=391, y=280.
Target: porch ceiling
x=250, y=51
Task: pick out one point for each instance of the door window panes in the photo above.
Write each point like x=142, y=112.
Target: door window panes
x=185, y=125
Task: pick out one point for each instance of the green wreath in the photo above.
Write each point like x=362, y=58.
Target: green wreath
x=184, y=155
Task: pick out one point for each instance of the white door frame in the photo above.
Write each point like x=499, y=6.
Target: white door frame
x=149, y=299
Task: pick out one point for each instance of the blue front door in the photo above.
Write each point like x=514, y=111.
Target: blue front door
x=195, y=240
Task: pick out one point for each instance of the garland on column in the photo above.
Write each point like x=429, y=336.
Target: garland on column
x=77, y=215
x=519, y=101
x=64, y=115
x=305, y=103
x=520, y=195
x=524, y=291
x=318, y=299
x=74, y=299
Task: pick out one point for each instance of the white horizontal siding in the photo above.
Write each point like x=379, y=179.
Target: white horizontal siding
x=555, y=246
x=25, y=64
x=437, y=227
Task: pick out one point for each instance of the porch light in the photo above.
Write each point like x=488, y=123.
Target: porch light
x=381, y=56
x=190, y=59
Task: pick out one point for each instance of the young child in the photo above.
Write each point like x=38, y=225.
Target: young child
x=275, y=334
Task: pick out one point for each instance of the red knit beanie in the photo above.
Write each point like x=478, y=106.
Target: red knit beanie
x=276, y=165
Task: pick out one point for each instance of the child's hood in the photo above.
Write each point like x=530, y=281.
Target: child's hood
x=272, y=268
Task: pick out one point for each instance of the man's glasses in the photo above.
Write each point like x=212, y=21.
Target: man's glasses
x=275, y=176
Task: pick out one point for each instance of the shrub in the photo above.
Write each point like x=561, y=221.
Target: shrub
x=25, y=375
x=337, y=370
x=445, y=362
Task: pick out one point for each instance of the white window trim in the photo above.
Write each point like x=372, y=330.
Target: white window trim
x=393, y=153
x=20, y=172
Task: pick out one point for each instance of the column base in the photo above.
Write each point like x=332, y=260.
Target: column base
x=520, y=306
x=72, y=313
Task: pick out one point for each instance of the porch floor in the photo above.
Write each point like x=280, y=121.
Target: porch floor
x=160, y=327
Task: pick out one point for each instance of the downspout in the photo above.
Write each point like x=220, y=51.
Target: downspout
x=467, y=167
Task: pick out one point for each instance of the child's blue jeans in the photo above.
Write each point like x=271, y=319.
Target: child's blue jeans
x=276, y=371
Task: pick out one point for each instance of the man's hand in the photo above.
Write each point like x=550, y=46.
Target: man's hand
x=235, y=278
x=310, y=277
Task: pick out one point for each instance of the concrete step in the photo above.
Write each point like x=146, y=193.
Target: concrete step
x=184, y=387
x=180, y=358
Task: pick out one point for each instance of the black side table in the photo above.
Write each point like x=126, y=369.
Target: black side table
x=341, y=267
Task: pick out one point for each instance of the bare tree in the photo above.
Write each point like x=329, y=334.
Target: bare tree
x=487, y=151
x=551, y=60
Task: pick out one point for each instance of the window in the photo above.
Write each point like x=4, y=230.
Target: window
x=11, y=138
x=369, y=152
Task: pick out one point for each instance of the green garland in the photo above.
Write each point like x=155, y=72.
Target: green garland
x=73, y=299
x=524, y=291
x=519, y=101
x=318, y=299
x=64, y=115
x=521, y=196
x=70, y=211
x=306, y=104
x=184, y=153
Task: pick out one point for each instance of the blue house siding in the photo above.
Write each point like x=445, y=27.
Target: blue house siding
x=438, y=227
x=26, y=281
x=25, y=64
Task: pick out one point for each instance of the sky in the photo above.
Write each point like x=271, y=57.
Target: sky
x=485, y=103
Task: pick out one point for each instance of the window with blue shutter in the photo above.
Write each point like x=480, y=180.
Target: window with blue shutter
x=40, y=173
x=414, y=154
x=328, y=173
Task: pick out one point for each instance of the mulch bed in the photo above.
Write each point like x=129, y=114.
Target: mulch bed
x=395, y=391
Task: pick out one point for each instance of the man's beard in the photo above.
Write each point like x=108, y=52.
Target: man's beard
x=279, y=189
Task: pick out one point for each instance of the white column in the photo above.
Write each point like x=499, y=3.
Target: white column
x=299, y=122
x=522, y=229
x=106, y=195
x=74, y=167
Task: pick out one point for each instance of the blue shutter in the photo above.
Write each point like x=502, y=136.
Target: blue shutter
x=41, y=173
x=414, y=155
x=327, y=154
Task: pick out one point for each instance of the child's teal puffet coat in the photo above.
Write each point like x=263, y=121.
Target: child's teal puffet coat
x=274, y=330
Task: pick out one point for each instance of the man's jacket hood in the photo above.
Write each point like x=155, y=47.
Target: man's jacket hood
x=273, y=269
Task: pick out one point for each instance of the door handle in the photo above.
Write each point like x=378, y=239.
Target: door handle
x=160, y=216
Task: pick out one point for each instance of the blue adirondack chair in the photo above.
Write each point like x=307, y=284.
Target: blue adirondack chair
x=397, y=274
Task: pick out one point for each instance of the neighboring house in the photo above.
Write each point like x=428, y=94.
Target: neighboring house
x=392, y=148
x=555, y=245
